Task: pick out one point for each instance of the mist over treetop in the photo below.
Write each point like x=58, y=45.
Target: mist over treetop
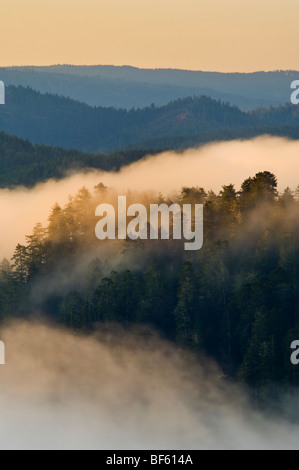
x=210, y=167
x=122, y=389
x=232, y=300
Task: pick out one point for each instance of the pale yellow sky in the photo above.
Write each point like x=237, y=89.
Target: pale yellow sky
x=222, y=35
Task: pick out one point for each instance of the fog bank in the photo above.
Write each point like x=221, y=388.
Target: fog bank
x=210, y=167
x=122, y=391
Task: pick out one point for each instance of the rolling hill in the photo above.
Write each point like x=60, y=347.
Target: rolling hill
x=25, y=164
x=127, y=87
x=56, y=121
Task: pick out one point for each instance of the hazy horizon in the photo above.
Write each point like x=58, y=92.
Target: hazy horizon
x=50, y=65
x=171, y=35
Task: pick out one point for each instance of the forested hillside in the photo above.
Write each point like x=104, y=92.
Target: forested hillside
x=127, y=87
x=24, y=164
x=53, y=120
x=237, y=299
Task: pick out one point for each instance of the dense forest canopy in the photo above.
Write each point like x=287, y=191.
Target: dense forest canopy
x=24, y=164
x=237, y=299
x=46, y=119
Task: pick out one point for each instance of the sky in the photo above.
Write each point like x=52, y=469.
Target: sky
x=214, y=35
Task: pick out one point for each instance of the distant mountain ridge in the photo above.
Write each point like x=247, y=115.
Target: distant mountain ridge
x=128, y=87
x=52, y=120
